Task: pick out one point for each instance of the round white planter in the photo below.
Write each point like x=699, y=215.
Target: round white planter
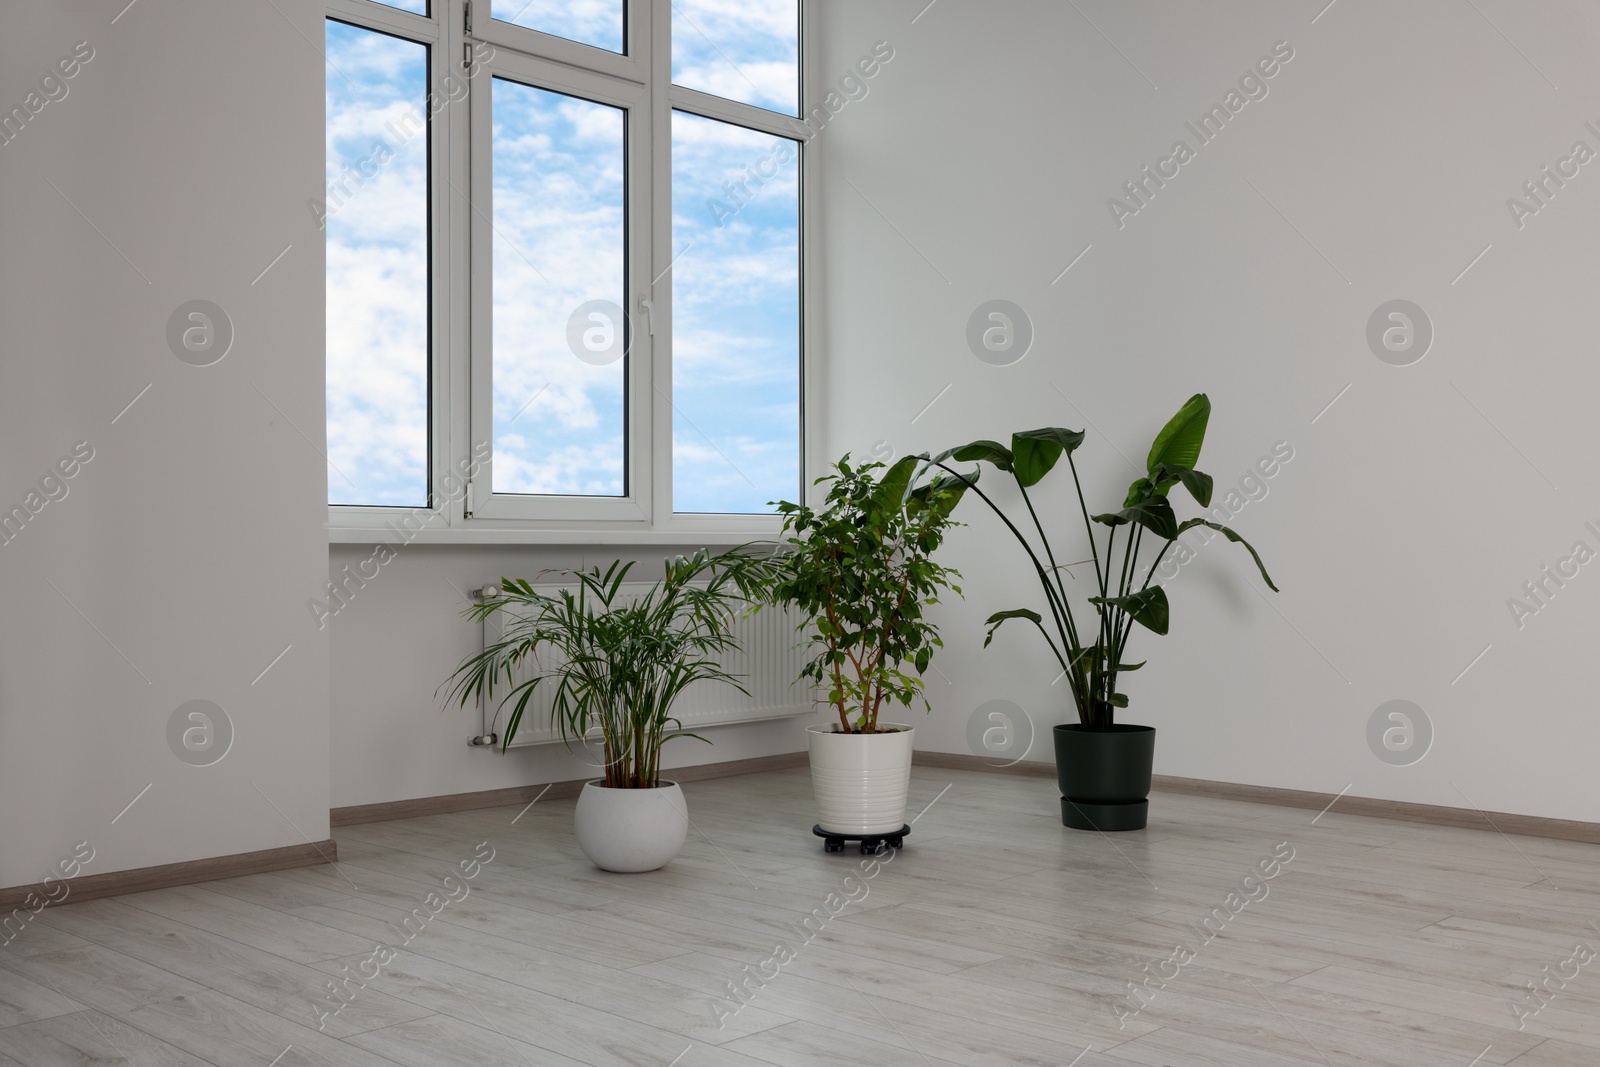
x=631, y=830
x=860, y=780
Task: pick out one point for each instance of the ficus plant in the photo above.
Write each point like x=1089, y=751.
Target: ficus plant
x=859, y=568
x=1092, y=650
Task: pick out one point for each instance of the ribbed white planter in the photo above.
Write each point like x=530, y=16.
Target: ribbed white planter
x=860, y=780
x=631, y=830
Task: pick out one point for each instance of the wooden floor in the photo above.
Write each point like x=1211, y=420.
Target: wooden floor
x=996, y=937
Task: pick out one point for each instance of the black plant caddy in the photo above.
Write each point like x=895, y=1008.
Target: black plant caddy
x=870, y=843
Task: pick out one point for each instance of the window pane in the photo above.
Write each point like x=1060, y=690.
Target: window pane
x=745, y=50
x=375, y=214
x=736, y=317
x=592, y=22
x=560, y=373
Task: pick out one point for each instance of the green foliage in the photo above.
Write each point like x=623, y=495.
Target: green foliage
x=617, y=661
x=1092, y=661
x=1178, y=443
x=861, y=571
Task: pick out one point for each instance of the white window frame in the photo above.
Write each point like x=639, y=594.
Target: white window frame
x=461, y=251
x=634, y=505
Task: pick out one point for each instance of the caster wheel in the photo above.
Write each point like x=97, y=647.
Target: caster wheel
x=871, y=844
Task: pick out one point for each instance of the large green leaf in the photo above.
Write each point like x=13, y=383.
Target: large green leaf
x=1178, y=443
x=943, y=493
x=892, y=486
x=1069, y=440
x=1032, y=460
x=979, y=452
x=1035, y=452
x=1154, y=514
x=994, y=621
x=1190, y=524
x=1148, y=607
x=1165, y=474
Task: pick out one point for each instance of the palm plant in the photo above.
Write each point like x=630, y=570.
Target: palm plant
x=860, y=570
x=617, y=661
x=1092, y=659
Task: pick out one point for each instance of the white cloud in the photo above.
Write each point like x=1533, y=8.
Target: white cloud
x=591, y=22
x=746, y=50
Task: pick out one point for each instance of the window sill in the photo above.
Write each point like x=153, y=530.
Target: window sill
x=692, y=536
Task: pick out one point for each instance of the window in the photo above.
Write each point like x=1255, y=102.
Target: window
x=375, y=216
x=560, y=191
x=736, y=316
x=600, y=23
x=565, y=265
x=747, y=51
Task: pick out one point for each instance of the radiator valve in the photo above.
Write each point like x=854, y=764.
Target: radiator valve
x=484, y=739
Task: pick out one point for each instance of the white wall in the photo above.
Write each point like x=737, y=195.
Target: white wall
x=1413, y=509
x=402, y=634
x=187, y=147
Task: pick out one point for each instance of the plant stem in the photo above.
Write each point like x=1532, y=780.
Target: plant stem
x=1055, y=571
x=1070, y=663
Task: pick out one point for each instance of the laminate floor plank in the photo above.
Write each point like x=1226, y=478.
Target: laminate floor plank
x=1008, y=937
x=801, y=1044
x=272, y=891
x=89, y=1039
x=624, y=994
x=1452, y=1037
x=248, y=974
x=1554, y=1053
x=38, y=937
x=443, y=1041
x=268, y=929
x=24, y=1000
x=1048, y=1012
x=191, y=1017
x=548, y=1022
x=1437, y=994
x=971, y=1040
x=537, y=930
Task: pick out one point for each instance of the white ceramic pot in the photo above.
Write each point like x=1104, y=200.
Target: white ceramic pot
x=631, y=830
x=860, y=780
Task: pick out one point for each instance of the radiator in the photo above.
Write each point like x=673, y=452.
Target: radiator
x=767, y=663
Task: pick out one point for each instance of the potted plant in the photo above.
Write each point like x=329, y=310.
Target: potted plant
x=860, y=569
x=1102, y=766
x=617, y=661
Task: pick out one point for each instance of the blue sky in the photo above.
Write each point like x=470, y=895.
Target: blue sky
x=558, y=224
x=745, y=50
x=736, y=357
x=591, y=22
x=377, y=246
x=558, y=244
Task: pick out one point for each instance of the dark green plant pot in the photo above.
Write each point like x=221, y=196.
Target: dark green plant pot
x=1104, y=776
